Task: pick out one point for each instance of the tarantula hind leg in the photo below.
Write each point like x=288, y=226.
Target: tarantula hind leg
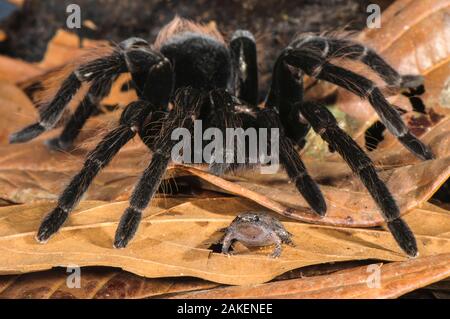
x=94, y=72
x=186, y=108
x=323, y=122
x=82, y=113
x=330, y=48
x=318, y=67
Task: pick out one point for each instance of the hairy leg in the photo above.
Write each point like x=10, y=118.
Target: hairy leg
x=293, y=164
x=223, y=116
x=326, y=126
x=94, y=72
x=317, y=67
x=243, y=52
x=82, y=113
x=131, y=118
x=156, y=71
x=133, y=55
x=186, y=108
x=285, y=93
x=328, y=48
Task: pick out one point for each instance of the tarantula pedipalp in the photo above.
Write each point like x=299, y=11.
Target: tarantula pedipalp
x=192, y=68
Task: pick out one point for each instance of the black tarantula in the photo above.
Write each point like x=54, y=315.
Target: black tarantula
x=190, y=73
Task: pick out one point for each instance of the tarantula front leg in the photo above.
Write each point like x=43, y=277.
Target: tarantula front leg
x=285, y=93
x=293, y=164
x=131, y=118
x=245, y=66
x=154, y=91
x=326, y=126
x=223, y=116
x=186, y=109
x=317, y=67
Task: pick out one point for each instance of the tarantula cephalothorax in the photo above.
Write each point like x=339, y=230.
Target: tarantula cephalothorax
x=189, y=73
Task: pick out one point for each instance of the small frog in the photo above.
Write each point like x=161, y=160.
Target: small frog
x=255, y=230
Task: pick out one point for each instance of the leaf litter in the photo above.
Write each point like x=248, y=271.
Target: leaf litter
x=32, y=177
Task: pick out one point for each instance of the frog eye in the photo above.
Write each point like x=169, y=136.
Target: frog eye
x=256, y=218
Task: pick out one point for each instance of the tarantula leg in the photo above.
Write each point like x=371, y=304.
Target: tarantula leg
x=82, y=113
x=223, y=117
x=131, y=121
x=325, y=124
x=414, y=99
x=293, y=164
x=329, y=48
x=132, y=116
x=317, y=67
x=243, y=52
x=186, y=108
x=285, y=92
x=96, y=70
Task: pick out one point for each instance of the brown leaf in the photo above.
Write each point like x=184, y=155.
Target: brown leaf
x=397, y=279
x=96, y=283
x=163, y=247
x=15, y=70
x=65, y=47
x=16, y=108
x=22, y=180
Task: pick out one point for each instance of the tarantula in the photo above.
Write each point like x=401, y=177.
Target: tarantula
x=190, y=73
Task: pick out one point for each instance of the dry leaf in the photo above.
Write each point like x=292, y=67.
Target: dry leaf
x=96, y=283
x=15, y=70
x=65, y=47
x=16, y=108
x=163, y=247
x=397, y=279
x=22, y=180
